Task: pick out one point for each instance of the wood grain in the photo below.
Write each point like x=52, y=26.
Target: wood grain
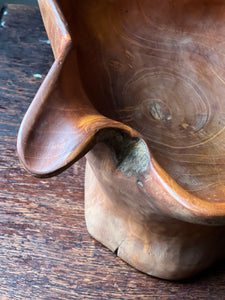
x=160, y=70
x=149, y=88
x=45, y=250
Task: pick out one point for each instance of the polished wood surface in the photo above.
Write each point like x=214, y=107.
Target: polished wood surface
x=160, y=70
x=46, y=251
x=142, y=88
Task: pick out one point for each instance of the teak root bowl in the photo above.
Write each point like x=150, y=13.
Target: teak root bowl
x=139, y=88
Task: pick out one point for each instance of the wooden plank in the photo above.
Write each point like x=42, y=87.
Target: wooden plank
x=45, y=249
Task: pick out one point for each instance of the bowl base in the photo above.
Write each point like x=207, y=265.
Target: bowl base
x=165, y=255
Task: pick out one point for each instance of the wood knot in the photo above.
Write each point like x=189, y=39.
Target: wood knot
x=159, y=111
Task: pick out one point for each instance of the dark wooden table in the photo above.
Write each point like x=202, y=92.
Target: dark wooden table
x=45, y=249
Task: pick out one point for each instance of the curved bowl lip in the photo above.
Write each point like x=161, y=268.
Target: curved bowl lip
x=203, y=212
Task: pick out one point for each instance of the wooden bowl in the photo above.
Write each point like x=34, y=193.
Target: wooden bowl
x=140, y=88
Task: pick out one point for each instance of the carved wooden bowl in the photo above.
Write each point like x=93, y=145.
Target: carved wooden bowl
x=140, y=88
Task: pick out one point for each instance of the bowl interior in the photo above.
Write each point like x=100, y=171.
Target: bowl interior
x=161, y=70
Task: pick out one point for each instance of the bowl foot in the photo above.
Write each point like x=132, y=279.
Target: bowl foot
x=150, y=248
